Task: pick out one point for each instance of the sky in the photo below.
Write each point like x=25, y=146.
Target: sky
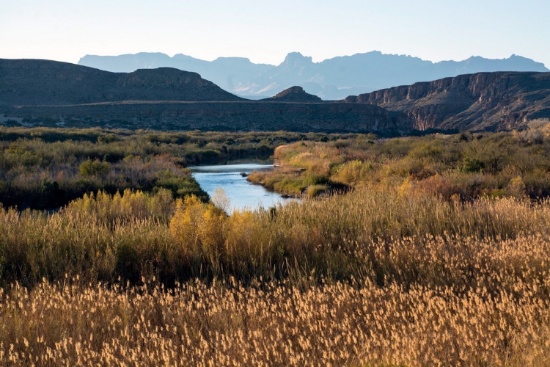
x=265, y=31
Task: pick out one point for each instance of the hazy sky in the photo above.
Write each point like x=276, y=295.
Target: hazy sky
x=265, y=31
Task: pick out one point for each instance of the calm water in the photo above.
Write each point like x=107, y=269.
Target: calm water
x=241, y=193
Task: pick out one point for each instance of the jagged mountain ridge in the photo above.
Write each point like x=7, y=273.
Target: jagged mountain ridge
x=490, y=101
x=331, y=79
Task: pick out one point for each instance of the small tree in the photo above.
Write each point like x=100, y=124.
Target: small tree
x=198, y=228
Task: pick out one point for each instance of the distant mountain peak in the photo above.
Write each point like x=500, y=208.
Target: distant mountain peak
x=296, y=58
x=294, y=94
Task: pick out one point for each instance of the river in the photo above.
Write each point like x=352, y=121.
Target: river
x=241, y=193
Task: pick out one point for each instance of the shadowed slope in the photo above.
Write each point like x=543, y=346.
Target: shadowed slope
x=43, y=82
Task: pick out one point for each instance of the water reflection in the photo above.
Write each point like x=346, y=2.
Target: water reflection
x=232, y=179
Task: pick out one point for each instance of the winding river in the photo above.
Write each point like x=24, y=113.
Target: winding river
x=241, y=193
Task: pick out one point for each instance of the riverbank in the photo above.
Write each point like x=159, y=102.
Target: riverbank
x=464, y=166
x=46, y=168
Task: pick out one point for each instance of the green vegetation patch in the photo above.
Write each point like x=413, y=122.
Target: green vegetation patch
x=466, y=165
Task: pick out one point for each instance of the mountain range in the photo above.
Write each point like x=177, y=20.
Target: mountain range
x=331, y=79
x=50, y=93
x=43, y=92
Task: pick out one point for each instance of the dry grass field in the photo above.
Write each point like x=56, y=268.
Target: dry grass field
x=438, y=254
x=333, y=324
x=365, y=279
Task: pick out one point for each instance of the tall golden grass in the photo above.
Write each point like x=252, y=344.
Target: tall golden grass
x=376, y=277
x=273, y=324
x=138, y=235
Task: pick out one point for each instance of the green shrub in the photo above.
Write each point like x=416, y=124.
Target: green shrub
x=472, y=165
x=94, y=168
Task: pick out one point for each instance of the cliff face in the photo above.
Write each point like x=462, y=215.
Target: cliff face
x=494, y=101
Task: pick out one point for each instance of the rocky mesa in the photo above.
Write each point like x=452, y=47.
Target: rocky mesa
x=482, y=101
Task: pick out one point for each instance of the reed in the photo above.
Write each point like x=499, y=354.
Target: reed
x=275, y=324
x=134, y=235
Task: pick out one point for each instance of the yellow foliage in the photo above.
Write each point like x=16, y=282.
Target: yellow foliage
x=516, y=187
x=352, y=172
x=315, y=157
x=183, y=225
x=198, y=227
x=406, y=187
x=211, y=233
x=130, y=205
x=239, y=233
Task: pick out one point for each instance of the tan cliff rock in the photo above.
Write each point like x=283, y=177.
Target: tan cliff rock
x=493, y=101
